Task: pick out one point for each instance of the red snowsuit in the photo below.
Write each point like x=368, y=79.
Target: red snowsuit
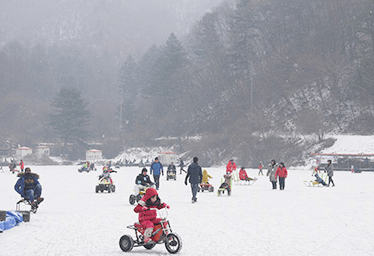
x=231, y=166
x=147, y=209
x=243, y=174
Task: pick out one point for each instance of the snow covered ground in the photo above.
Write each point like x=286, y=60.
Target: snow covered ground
x=255, y=220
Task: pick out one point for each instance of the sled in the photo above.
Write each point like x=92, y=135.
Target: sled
x=222, y=190
x=26, y=202
x=247, y=182
x=314, y=183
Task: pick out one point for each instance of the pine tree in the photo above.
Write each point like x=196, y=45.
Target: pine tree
x=70, y=116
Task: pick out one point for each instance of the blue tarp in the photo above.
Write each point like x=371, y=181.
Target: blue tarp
x=12, y=219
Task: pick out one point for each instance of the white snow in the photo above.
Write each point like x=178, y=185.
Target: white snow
x=351, y=144
x=255, y=220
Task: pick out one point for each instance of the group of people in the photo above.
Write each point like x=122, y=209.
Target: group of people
x=329, y=169
x=13, y=165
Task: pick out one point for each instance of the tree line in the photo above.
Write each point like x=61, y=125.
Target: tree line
x=256, y=80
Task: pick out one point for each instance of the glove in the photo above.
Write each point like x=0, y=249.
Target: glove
x=145, y=209
x=166, y=206
x=185, y=182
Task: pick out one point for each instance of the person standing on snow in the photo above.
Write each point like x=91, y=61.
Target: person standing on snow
x=231, y=166
x=181, y=164
x=271, y=173
x=330, y=172
x=147, y=212
x=196, y=175
x=157, y=169
x=282, y=174
x=260, y=169
x=22, y=165
x=29, y=188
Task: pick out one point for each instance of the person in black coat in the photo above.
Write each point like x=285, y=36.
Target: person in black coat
x=196, y=175
x=142, y=181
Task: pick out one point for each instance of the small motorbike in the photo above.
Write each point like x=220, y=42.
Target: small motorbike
x=162, y=233
x=105, y=185
x=170, y=174
x=136, y=198
x=207, y=187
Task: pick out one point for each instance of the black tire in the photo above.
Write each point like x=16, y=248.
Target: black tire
x=101, y=190
x=109, y=189
x=149, y=246
x=97, y=189
x=132, y=199
x=113, y=188
x=79, y=170
x=138, y=197
x=211, y=189
x=173, y=243
x=126, y=243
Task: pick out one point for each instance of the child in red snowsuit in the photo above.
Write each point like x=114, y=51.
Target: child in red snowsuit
x=243, y=175
x=147, y=212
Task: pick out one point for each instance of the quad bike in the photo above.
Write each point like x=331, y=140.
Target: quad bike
x=162, y=233
x=205, y=186
x=170, y=174
x=136, y=198
x=84, y=169
x=104, y=184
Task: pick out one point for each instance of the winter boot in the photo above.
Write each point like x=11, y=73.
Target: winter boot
x=39, y=200
x=147, y=236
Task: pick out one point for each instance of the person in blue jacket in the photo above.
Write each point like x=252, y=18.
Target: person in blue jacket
x=196, y=175
x=157, y=169
x=28, y=187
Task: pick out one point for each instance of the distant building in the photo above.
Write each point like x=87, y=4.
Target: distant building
x=94, y=154
x=42, y=151
x=23, y=151
x=167, y=157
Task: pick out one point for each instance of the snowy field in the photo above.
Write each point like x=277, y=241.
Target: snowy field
x=255, y=220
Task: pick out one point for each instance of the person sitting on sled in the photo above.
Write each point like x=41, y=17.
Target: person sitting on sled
x=106, y=174
x=226, y=183
x=172, y=168
x=29, y=188
x=147, y=212
x=243, y=175
x=142, y=181
x=320, y=180
x=206, y=177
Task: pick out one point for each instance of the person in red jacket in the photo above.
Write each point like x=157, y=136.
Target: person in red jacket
x=22, y=165
x=147, y=212
x=282, y=174
x=243, y=175
x=231, y=166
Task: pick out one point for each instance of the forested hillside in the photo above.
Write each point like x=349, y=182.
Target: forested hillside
x=254, y=80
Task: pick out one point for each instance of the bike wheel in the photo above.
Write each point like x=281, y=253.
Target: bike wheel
x=132, y=199
x=173, y=243
x=149, y=246
x=126, y=243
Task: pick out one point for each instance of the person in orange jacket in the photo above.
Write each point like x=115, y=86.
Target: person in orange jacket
x=231, y=166
x=282, y=174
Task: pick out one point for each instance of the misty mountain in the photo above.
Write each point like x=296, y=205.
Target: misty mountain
x=120, y=27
